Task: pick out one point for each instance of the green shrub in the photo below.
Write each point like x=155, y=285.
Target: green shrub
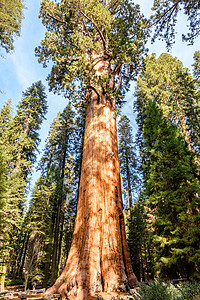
x=155, y=290
x=14, y=281
x=159, y=290
x=188, y=290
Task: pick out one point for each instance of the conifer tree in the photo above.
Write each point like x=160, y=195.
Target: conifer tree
x=139, y=242
x=55, y=192
x=5, y=116
x=166, y=81
x=20, y=137
x=3, y=186
x=127, y=157
x=171, y=190
x=6, y=155
x=30, y=114
x=96, y=49
x=38, y=221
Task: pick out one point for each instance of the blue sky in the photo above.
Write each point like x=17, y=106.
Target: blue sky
x=20, y=69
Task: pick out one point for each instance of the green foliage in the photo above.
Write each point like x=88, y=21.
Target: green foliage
x=13, y=281
x=154, y=290
x=127, y=158
x=171, y=189
x=139, y=242
x=188, y=290
x=10, y=22
x=30, y=114
x=20, y=138
x=80, y=32
x=176, y=92
x=165, y=19
x=161, y=290
x=3, y=178
x=52, y=209
x=196, y=65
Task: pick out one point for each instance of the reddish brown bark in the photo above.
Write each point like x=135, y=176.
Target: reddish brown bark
x=98, y=259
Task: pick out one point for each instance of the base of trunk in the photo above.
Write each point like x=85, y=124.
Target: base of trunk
x=99, y=259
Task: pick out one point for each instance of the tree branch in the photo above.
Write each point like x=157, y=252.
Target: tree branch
x=120, y=82
x=92, y=88
x=173, y=7
x=96, y=27
x=113, y=6
x=55, y=19
x=116, y=69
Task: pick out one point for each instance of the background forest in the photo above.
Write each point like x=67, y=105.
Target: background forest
x=41, y=143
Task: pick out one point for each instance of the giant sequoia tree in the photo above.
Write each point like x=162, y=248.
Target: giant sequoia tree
x=95, y=47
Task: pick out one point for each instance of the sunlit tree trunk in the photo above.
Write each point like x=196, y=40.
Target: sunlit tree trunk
x=98, y=259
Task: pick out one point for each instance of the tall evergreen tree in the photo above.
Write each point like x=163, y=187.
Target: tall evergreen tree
x=96, y=49
x=5, y=116
x=171, y=189
x=175, y=91
x=6, y=156
x=30, y=114
x=47, y=227
x=20, y=137
x=139, y=242
x=127, y=158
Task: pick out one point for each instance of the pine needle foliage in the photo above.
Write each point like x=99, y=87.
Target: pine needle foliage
x=80, y=31
x=52, y=210
x=165, y=19
x=176, y=92
x=11, y=15
x=171, y=189
x=127, y=158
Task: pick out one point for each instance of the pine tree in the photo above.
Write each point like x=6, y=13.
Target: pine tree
x=30, y=114
x=171, y=190
x=55, y=192
x=127, y=157
x=139, y=242
x=96, y=49
x=175, y=91
x=38, y=221
x=5, y=116
x=5, y=153
x=20, y=137
x=10, y=22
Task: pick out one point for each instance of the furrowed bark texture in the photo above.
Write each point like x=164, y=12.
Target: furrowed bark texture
x=98, y=259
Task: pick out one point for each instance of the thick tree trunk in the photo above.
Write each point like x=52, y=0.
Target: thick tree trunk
x=98, y=259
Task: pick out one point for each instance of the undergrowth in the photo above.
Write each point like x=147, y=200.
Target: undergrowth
x=159, y=290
